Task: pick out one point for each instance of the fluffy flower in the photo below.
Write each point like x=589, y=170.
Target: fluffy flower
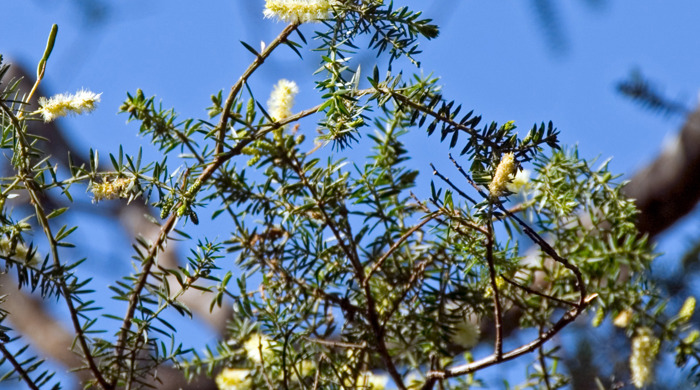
x=63, y=104
x=279, y=106
x=19, y=253
x=687, y=310
x=465, y=333
x=111, y=189
x=253, y=346
x=374, y=382
x=298, y=11
x=623, y=319
x=644, y=349
x=233, y=379
x=307, y=368
x=502, y=176
x=519, y=182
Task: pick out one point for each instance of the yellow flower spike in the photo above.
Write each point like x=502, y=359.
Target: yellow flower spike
x=253, y=346
x=19, y=253
x=645, y=347
x=687, y=310
x=598, y=317
x=623, y=319
x=501, y=177
x=374, y=382
x=111, y=189
x=233, y=379
x=282, y=99
x=298, y=11
x=63, y=104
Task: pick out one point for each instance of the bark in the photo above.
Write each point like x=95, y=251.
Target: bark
x=669, y=187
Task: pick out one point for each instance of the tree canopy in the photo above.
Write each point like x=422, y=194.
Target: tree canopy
x=332, y=273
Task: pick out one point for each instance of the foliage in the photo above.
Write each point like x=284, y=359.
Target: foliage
x=340, y=269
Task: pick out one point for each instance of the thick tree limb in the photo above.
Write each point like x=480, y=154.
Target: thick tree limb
x=669, y=188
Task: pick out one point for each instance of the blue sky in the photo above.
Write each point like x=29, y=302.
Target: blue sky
x=492, y=56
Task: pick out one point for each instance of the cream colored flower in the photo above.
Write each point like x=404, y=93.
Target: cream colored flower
x=307, y=368
x=233, y=379
x=623, y=319
x=645, y=347
x=19, y=253
x=687, y=310
x=519, y=182
x=298, y=11
x=254, y=345
x=466, y=333
x=63, y=104
x=111, y=189
x=502, y=175
x=373, y=382
x=281, y=101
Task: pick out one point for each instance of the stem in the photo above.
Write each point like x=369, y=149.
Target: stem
x=18, y=367
x=259, y=60
x=491, y=360
x=469, y=130
x=25, y=173
x=497, y=310
x=543, y=364
x=535, y=292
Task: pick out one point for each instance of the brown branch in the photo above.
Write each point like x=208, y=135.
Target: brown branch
x=535, y=292
x=17, y=367
x=667, y=189
x=490, y=360
x=219, y=159
x=497, y=310
x=259, y=60
x=335, y=343
x=543, y=364
x=416, y=106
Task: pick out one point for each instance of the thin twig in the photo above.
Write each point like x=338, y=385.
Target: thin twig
x=491, y=360
x=223, y=122
x=535, y=292
x=18, y=367
x=497, y=310
x=454, y=187
x=334, y=344
x=469, y=130
x=469, y=179
x=543, y=364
